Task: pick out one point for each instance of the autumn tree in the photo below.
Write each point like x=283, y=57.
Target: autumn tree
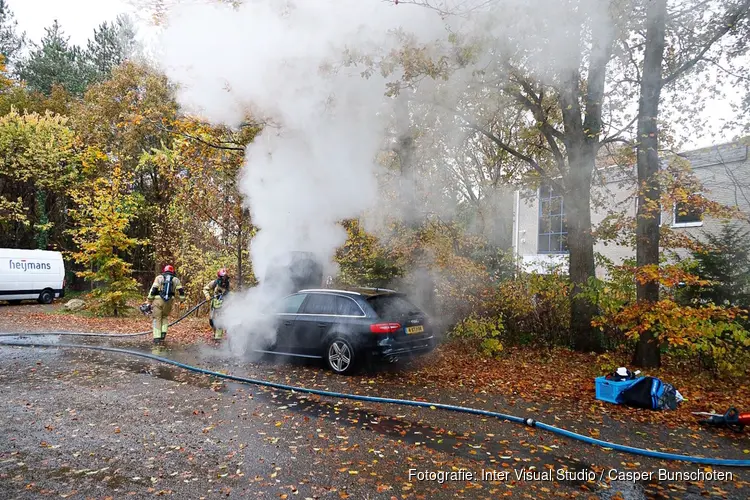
x=364, y=261
x=559, y=82
x=649, y=210
x=127, y=116
x=212, y=224
x=677, y=43
x=104, y=210
x=37, y=164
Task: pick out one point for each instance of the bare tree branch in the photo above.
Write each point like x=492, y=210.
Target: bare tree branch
x=221, y=145
x=732, y=18
x=616, y=136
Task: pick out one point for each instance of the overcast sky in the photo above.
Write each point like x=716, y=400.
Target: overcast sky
x=78, y=18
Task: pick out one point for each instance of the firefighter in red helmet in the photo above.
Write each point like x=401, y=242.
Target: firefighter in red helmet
x=215, y=291
x=164, y=292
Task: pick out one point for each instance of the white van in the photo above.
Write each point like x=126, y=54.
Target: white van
x=31, y=275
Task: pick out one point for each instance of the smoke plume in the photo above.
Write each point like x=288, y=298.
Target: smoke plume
x=283, y=62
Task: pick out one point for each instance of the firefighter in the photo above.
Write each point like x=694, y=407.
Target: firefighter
x=164, y=292
x=214, y=292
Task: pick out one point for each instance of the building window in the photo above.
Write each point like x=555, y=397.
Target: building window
x=686, y=215
x=553, y=228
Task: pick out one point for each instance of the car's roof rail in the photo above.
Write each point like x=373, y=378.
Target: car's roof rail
x=377, y=289
x=328, y=290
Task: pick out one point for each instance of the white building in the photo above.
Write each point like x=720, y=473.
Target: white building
x=539, y=229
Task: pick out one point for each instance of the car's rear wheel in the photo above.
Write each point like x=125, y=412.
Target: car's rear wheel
x=340, y=356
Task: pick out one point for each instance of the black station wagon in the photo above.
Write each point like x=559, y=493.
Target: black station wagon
x=349, y=327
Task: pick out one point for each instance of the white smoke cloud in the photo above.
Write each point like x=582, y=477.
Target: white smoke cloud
x=282, y=60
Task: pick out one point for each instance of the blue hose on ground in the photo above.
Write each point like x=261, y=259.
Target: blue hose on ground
x=406, y=402
x=91, y=334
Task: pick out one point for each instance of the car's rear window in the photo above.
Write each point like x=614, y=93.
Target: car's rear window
x=392, y=305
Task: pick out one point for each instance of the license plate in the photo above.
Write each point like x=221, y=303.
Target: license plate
x=414, y=329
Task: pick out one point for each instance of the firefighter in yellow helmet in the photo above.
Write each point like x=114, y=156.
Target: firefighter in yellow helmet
x=215, y=291
x=164, y=292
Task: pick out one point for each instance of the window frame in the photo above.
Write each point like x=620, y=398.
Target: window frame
x=549, y=197
x=675, y=224
x=305, y=295
x=312, y=294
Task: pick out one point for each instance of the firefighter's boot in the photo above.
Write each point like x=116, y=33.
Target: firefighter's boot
x=218, y=334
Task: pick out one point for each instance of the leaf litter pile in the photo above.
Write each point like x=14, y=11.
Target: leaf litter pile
x=565, y=379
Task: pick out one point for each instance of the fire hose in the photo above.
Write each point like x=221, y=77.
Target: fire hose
x=530, y=422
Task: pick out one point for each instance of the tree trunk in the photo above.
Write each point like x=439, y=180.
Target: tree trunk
x=577, y=202
x=42, y=237
x=647, y=226
x=581, y=143
x=407, y=181
x=240, y=277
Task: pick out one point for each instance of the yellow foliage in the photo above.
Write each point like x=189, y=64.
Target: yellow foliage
x=104, y=211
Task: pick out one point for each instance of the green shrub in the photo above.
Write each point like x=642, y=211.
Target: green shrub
x=486, y=331
x=535, y=309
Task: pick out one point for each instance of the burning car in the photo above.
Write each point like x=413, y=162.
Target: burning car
x=348, y=328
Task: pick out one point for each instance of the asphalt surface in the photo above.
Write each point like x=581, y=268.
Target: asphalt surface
x=87, y=424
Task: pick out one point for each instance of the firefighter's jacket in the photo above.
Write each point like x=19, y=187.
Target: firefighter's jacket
x=166, y=286
x=215, y=288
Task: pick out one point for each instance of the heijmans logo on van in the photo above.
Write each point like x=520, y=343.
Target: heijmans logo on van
x=26, y=266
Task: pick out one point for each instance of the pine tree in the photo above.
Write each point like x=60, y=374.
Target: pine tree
x=10, y=41
x=725, y=262
x=55, y=61
x=113, y=44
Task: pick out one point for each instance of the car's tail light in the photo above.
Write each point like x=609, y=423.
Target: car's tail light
x=384, y=327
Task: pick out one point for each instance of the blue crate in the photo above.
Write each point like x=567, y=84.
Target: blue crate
x=610, y=390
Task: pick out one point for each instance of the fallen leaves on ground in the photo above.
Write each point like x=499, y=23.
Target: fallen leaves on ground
x=29, y=318
x=560, y=378
x=565, y=379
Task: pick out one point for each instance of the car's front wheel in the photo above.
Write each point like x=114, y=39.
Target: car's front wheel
x=340, y=356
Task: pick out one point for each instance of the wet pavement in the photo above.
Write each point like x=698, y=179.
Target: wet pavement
x=90, y=424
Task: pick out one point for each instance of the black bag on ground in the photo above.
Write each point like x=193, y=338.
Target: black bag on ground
x=652, y=394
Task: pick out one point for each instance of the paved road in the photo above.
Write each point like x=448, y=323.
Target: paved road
x=85, y=424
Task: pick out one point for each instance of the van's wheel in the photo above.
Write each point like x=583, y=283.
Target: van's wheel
x=340, y=356
x=46, y=297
